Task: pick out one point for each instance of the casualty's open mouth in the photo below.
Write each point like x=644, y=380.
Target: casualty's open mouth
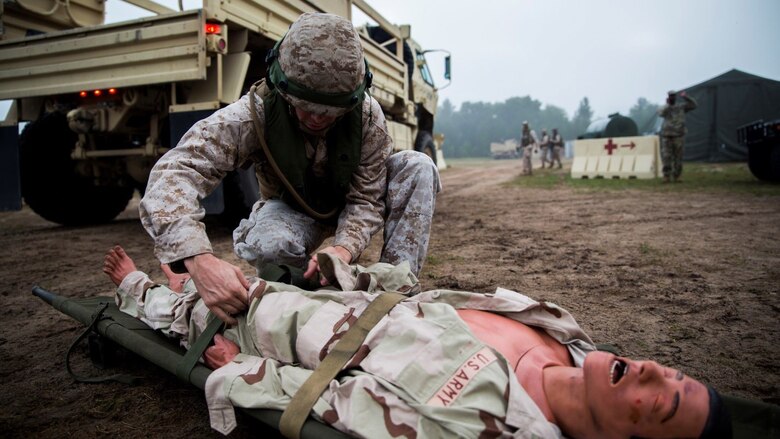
x=618, y=370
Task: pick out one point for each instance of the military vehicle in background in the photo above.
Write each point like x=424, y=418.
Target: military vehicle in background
x=105, y=101
x=504, y=150
x=762, y=140
x=614, y=125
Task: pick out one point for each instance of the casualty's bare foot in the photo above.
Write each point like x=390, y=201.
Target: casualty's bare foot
x=175, y=281
x=117, y=264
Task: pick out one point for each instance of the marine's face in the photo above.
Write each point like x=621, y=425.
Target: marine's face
x=314, y=122
x=642, y=398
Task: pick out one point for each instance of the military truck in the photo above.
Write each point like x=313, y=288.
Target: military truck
x=105, y=101
x=762, y=139
x=504, y=150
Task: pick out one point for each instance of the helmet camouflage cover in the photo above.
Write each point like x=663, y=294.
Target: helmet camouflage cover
x=322, y=53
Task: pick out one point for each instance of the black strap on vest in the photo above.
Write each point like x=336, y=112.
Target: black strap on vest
x=291, y=190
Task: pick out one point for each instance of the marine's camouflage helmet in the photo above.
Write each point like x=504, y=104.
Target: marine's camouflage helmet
x=322, y=52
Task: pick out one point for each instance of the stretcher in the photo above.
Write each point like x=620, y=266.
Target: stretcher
x=750, y=419
x=137, y=337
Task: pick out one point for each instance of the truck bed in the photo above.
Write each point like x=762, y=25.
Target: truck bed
x=159, y=49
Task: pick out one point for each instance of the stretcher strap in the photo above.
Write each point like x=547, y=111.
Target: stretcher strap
x=298, y=410
x=120, y=378
x=190, y=359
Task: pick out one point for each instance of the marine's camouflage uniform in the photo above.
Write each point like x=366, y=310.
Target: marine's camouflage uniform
x=673, y=135
x=399, y=189
x=419, y=373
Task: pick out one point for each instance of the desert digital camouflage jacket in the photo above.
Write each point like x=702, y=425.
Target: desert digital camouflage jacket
x=419, y=373
x=171, y=211
x=674, y=116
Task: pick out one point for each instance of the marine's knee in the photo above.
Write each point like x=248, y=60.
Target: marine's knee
x=413, y=167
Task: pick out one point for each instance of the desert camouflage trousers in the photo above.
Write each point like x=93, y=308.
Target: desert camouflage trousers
x=556, y=156
x=672, y=156
x=527, y=167
x=275, y=233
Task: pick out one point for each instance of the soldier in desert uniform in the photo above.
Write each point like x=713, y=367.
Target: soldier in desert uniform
x=545, y=149
x=528, y=144
x=556, y=143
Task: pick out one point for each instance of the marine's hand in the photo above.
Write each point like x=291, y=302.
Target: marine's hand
x=221, y=285
x=314, y=268
x=221, y=353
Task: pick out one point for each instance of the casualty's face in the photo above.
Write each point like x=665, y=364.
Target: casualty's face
x=642, y=398
x=315, y=123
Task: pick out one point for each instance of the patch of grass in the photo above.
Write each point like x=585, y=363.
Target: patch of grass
x=696, y=177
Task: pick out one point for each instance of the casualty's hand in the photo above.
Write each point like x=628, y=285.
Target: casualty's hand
x=221, y=285
x=314, y=268
x=221, y=353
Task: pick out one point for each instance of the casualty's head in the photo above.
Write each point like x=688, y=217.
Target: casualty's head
x=628, y=398
x=319, y=68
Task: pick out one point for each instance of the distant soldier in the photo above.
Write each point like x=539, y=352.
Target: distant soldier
x=556, y=144
x=528, y=143
x=544, y=148
x=673, y=133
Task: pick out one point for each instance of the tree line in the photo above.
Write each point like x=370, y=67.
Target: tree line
x=469, y=130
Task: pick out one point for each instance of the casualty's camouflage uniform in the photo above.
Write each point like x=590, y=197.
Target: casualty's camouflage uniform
x=556, y=143
x=673, y=135
x=528, y=143
x=399, y=189
x=420, y=372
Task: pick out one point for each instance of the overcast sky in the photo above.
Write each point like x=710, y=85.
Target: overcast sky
x=612, y=51
x=558, y=51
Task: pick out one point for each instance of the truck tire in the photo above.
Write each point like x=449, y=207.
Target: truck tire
x=774, y=174
x=425, y=145
x=760, y=161
x=51, y=185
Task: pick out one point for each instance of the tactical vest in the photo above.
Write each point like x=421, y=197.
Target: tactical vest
x=287, y=146
x=525, y=139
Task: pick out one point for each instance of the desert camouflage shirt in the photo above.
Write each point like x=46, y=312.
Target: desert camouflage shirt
x=419, y=373
x=171, y=211
x=674, y=116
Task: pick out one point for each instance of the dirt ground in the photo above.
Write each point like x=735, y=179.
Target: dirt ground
x=690, y=280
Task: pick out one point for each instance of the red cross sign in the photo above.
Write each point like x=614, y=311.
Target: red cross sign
x=609, y=146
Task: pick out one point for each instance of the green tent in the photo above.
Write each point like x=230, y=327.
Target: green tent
x=727, y=102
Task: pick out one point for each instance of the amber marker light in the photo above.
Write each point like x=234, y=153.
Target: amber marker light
x=83, y=94
x=212, y=28
x=98, y=92
x=112, y=91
